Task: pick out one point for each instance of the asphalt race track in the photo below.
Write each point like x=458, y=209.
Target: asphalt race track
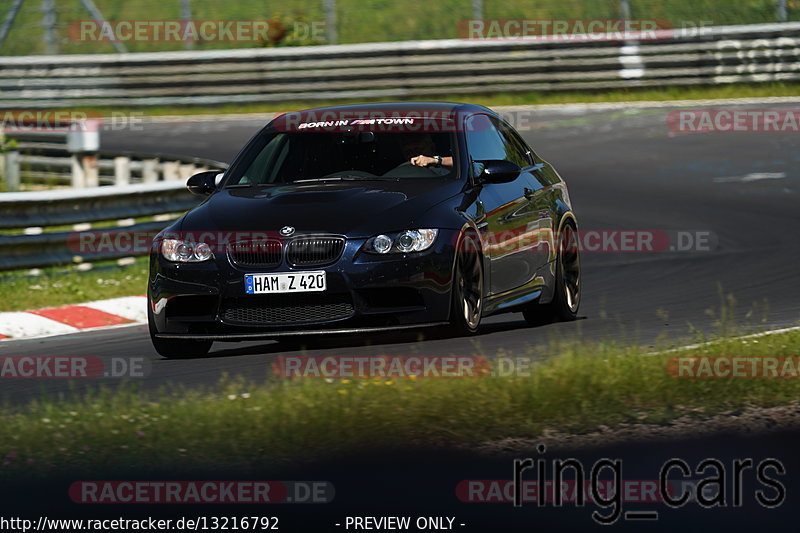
x=626, y=171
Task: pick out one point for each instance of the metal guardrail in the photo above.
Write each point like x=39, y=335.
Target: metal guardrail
x=74, y=206
x=714, y=55
x=34, y=212
x=63, y=247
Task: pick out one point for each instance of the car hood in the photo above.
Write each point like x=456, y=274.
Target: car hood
x=355, y=209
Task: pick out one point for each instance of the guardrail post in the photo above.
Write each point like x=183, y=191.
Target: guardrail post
x=170, y=171
x=11, y=170
x=122, y=170
x=90, y=171
x=150, y=170
x=83, y=142
x=78, y=177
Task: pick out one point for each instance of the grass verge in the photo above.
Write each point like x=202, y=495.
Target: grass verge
x=63, y=285
x=242, y=425
x=364, y=20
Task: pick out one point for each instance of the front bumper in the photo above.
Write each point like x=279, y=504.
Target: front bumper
x=365, y=293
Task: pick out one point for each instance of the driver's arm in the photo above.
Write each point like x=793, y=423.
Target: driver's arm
x=424, y=161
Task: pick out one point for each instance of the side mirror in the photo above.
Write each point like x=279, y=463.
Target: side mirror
x=204, y=183
x=498, y=170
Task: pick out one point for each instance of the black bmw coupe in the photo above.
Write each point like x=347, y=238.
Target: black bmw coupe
x=365, y=218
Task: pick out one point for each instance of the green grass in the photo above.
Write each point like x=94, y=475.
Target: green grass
x=241, y=425
x=370, y=20
x=64, y=285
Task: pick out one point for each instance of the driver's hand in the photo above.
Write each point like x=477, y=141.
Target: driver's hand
x=422, y=161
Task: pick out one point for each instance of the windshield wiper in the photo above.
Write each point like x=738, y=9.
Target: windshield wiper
x=346, y=177
x=247, y=185
x=332, y=178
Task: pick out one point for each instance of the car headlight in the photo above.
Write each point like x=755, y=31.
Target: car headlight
x=412, y=240
x=185, y=251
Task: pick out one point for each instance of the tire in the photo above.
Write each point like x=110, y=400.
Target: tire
x=467, y=292
x=567, y=291
x=177, y=348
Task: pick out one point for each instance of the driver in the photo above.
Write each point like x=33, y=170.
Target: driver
x=419, y=148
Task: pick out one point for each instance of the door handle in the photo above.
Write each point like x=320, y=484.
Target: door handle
x=529, y=194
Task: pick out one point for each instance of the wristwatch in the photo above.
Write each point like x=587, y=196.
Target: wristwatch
x=439, y=160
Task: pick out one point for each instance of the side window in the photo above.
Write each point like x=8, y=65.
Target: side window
x=483, y=139
x=257, y=172
x=516, y=150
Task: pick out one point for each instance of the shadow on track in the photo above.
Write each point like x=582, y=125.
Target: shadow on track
x=321, y=342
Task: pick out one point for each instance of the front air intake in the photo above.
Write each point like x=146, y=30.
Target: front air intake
x=265, y=253
x=314, y=251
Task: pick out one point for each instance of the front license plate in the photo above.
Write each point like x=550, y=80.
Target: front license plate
x=284, y=282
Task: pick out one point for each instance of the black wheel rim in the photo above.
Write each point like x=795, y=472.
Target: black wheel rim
x=571, y=268
x=470, y=282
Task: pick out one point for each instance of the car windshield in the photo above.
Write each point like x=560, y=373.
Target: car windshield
x=282, y=157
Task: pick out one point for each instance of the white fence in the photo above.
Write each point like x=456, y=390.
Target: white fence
x=42, y=157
